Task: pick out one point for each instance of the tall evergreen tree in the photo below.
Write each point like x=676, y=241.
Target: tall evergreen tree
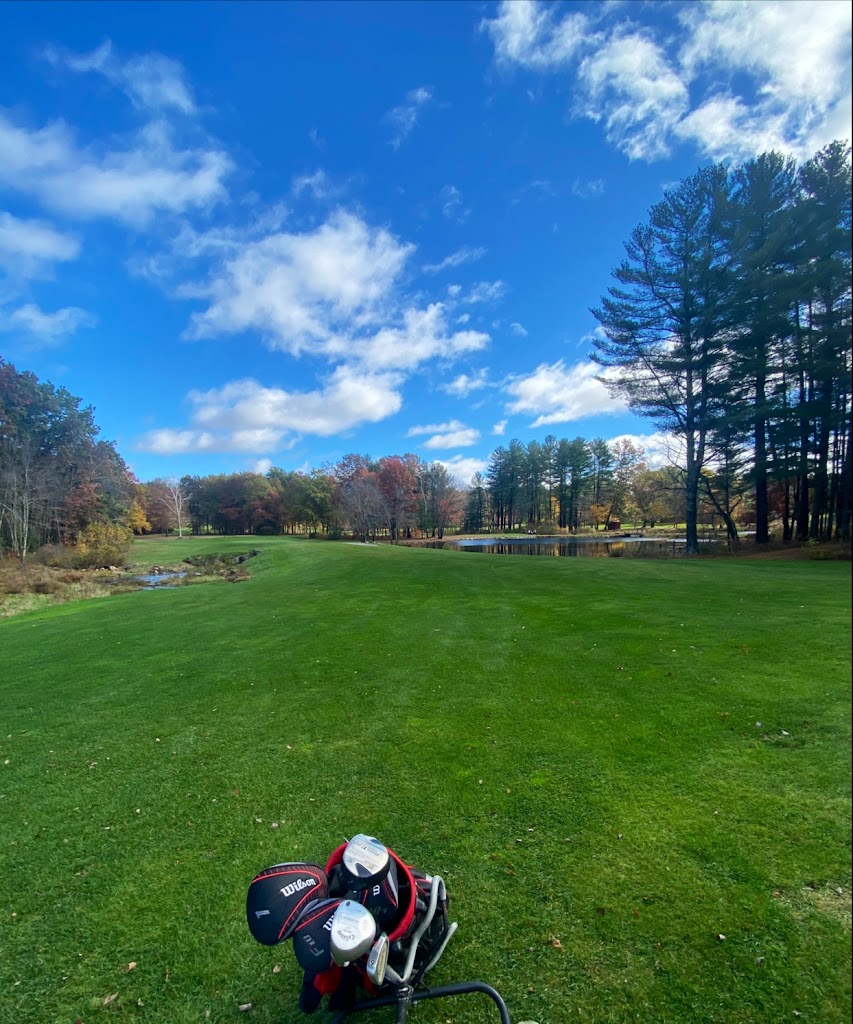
x=761, y=255
x=664, y=325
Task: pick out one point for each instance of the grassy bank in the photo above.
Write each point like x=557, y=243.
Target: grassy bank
x=613, y=763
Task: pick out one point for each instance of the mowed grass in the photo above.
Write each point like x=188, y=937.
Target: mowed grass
x=613, y=763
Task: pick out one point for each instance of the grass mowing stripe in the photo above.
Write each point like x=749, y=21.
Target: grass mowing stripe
x=572, y=743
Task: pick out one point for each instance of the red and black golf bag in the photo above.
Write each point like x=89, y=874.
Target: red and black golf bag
x=363, y=885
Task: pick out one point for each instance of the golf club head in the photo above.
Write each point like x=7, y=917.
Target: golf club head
x=377, y=962
x=312, y=936
x=381, y=897
x=365, y=862
x=277, y=897
x=352, y=933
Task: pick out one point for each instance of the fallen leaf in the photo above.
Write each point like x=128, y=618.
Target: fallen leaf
x=555, y=942
x=131, y=966
x=109, y=999
x=277, y=969
x=721, y=938
x=600, y=911
x=244, y=1007
x=635, y=912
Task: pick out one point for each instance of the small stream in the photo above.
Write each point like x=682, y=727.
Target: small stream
x=157, y=580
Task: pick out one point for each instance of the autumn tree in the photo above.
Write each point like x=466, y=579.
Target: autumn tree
x=399, y=488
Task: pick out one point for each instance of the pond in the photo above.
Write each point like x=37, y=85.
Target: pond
x=576, y=547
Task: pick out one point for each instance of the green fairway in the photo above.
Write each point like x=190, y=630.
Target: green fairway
x=613, y=763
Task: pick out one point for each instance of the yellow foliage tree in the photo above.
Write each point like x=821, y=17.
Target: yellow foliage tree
x=137, y=521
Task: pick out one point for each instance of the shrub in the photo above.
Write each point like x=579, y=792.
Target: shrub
x=830, y=553
x=46, y=587
x=102, y=545
x=56, y=555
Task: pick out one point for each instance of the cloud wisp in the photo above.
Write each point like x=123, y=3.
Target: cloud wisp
x=404, y=117
x=152, y=81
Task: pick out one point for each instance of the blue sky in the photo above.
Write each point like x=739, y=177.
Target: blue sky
x=271, y=234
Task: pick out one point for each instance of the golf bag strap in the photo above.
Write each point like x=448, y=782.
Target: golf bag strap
x=406, y=912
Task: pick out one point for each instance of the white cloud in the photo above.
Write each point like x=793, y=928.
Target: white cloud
x=631, y=87
x=732, y=77
x=166, y=441
x=331, y=292
x=404, y=118
x=798, y=57
x=528, y=33
x=465, y=383
x=446, y=435
x=301, y=290
x=467, y=254
x=432, y=428
x=246, y=416
x=28, y=247
x=660, y=449
x=726, y=128
x=348, y=398
x=422, y=336
x=454, y=439
x=129, y=183
x=518, y=330
x=554, y=393
x=262, y=466
x=463, y=468
x=152, y=81
x=47, y=329
x=499, y=428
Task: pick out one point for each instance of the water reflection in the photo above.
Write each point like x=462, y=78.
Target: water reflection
x=575, y=547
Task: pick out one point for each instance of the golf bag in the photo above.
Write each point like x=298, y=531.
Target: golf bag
x=403, y=902
x=366, y=928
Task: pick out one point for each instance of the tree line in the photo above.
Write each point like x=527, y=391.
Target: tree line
x=553, y=485
x=729, y=326
x=397, y=495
